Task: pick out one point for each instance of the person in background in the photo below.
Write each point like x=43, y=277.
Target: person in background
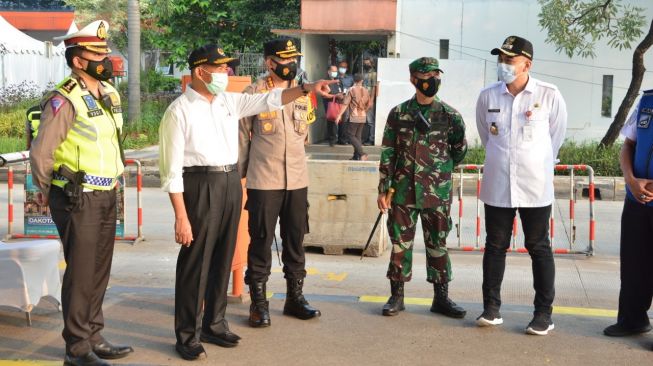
x=346, y=82
x=370, y=82
x=356, y=103
x=337, y=95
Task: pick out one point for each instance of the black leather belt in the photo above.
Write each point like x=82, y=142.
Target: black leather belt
x=211, y=169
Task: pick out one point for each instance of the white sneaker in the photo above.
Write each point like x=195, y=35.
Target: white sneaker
x=489, y=318
x=540, y=325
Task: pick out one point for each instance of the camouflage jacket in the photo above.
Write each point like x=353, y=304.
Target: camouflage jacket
x=419, y=165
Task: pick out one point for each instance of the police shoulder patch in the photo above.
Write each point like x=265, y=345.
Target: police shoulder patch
x=69, y=85
x=56, y=103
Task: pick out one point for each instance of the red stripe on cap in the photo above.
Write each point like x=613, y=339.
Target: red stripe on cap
x=76, y=40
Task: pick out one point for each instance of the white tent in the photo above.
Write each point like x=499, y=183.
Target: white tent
x=23, y=58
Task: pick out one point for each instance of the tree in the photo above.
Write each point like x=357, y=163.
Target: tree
x=574, y=27
x=134, y=47
x=238, y=25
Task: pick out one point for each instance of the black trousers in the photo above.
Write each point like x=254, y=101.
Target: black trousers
x=213, y=204
x=87, y=231
x=636, y=265
x=498, y=226
x=354, y=133
x=265, y=206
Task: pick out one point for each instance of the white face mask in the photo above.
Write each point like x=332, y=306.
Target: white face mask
x=333, y=74
x=218, y=84
x=342, y=70
x=506, y=73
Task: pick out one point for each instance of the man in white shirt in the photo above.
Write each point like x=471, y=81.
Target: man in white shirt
x=198, y=156
x=522, y=123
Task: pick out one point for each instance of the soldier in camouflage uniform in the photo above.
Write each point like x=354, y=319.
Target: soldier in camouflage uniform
x=424, y=138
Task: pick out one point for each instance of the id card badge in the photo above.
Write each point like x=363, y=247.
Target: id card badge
x=528, y=133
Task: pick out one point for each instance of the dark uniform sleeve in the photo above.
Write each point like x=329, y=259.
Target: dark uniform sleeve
x=244, y=138
x=388, y=157
x=57, y=118
x=457, y=141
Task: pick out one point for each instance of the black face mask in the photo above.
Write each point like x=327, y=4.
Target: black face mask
x=367, y=67
x=429, y=87
x=286, y=71
x=100, y=70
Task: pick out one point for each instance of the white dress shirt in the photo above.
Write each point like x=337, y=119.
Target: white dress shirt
x=629, y=130
x=522, y=135
x=194, y=132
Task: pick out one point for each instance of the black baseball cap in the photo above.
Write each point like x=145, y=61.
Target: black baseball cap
x=211, y=54
x=515, y=46
x=281, y=47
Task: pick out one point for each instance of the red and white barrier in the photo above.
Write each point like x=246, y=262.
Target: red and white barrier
x=10, y=205
x=572, y=224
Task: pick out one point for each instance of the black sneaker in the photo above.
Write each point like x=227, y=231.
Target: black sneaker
x=489, y=318
x=540, y=325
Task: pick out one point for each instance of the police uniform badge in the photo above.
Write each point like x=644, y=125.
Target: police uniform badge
x=102, y=31
x=69, y=85
x=645, y=118
x=267, y=127
x=494, y=129
x=93, y=108
x=508, y=44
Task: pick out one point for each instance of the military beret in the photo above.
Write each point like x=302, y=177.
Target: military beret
x=211, y=54
x=281, y=47
x=515, y=46
x=425, y=64
x=93, y=37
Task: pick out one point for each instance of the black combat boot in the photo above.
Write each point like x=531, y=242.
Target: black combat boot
x=395, y=303
x=259, y=315
x=296, y=305
x=443, y=305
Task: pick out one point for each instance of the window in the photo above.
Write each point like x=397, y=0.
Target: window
x=606, y=97
x=444, y=49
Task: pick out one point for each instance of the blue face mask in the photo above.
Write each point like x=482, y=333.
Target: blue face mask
x=333, y=74
x=506, y=73
x=342, y=70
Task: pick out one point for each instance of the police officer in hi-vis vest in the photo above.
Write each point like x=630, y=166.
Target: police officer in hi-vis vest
x=272, y=156
x=636, y=251
x=76, y=158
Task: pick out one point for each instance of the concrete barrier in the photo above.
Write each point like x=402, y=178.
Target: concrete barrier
x=342, y=197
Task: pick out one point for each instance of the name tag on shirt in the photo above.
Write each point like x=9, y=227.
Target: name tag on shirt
x=528, y=133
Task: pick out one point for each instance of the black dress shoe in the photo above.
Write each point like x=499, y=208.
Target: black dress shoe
x=190, y=352
x=617, y=330
x=89, y=359
x=109, y=351
x=226, y=339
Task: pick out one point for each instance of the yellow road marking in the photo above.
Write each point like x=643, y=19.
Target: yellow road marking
x=564, y=310
x=28, y=363
x=338, y=277
x=407, y=300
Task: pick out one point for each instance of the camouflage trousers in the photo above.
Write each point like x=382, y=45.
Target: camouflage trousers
x=436, y=224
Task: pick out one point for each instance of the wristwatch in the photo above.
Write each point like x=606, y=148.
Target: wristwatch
x=301, y=86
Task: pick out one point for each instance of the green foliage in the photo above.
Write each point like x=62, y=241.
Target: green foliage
x=12, y=119
x=574, y=26
x=153, y=81
x=11, y=144
x=604, y=161
x=146, y=131
x=238, y=25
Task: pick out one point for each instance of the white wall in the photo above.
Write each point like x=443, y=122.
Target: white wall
x=480, y=25
x=460, y=82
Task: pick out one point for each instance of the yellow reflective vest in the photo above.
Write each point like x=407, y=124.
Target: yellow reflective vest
x=92, y=143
